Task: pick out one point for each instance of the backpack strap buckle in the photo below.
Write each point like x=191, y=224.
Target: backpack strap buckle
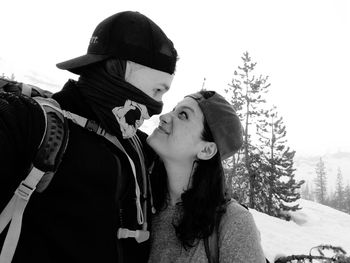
x=139, y=235
x=24, y=191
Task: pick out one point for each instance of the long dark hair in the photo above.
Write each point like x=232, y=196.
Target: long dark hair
x=201, y=203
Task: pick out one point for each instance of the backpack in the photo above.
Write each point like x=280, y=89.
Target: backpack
x=211, y=243
x=46, y=162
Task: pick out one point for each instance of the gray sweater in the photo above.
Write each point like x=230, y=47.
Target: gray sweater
x=239, y=238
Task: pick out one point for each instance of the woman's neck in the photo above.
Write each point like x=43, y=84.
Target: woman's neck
x=178, y=174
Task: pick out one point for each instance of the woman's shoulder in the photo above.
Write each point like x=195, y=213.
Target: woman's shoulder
x=236, y=215
x=235, y=208
x=239, y=238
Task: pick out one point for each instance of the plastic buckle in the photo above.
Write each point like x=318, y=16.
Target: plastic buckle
x=24, y=191
x=92, y=125
x=139, y=235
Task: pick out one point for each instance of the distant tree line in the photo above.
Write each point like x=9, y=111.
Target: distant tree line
x=338, y=199
x=261, y=174
x=6, y=77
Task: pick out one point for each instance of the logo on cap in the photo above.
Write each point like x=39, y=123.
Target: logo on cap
x=93, y=40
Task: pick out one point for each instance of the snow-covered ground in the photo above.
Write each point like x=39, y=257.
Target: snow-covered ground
x=313, y=225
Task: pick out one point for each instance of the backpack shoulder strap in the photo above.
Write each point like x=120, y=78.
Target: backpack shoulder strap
x=139, y=235
x=211, y=243
x=55, y=137
x=54, y=141
x=211, y=247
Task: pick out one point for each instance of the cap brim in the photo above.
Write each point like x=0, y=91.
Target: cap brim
x=81, y=61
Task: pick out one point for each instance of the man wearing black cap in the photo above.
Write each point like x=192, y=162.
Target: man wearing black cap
x=97, y=206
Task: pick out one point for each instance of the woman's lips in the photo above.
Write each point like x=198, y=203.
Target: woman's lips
x=162, y=129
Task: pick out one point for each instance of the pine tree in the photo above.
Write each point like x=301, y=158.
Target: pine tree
x=258, y=167
x=247, y=97
x=339, y=192
x=321, y=182
x=12, y=77
x=306, y=192
x=331, y=200
x=282, y=186
x=347, y=198
x=236, y=179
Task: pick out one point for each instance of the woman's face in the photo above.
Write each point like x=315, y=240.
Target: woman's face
x=178, y=136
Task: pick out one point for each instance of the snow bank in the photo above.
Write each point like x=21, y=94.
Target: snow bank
x=313, y=225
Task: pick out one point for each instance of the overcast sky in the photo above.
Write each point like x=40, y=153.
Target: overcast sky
x=302, y=45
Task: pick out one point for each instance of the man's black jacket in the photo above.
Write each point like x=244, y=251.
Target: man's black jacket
x=77, y=217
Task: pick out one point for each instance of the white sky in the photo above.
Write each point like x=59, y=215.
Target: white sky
x=303, y=45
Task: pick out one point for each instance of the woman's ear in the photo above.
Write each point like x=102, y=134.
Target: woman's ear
x=208, y=150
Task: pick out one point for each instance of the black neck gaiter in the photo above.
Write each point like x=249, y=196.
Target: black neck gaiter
x=119, y=106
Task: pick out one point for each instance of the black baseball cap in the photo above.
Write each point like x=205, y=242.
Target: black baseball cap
x=223, y=122
x=130, y=36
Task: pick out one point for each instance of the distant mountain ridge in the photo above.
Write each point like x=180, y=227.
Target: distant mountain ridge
x=340, y=155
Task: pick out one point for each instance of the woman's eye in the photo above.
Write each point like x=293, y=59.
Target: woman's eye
x=183, y=115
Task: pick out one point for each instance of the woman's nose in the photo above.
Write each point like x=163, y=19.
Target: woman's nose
x=165, y=118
